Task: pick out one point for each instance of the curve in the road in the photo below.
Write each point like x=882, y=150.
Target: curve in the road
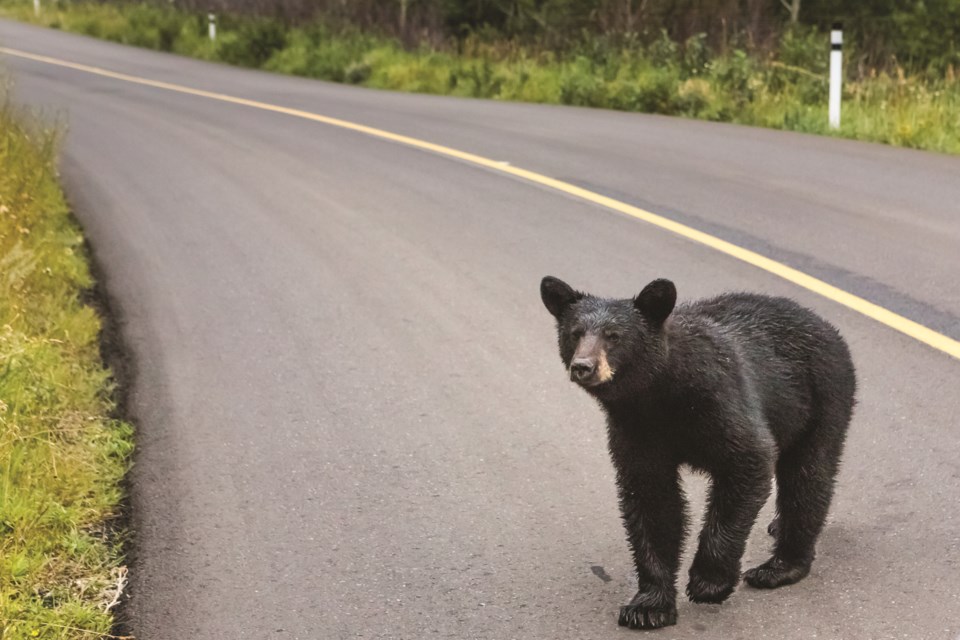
x=876, y=312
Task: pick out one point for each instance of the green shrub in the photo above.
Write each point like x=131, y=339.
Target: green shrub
x=150, y=26
x=252, y=43
x=664, y=51
x=806, y=48
x=696, y=56
x=357, y=73
x=696, y=99
x=581, y=86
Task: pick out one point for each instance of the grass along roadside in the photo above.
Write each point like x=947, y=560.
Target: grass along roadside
x=63, y=454
x=787, y=90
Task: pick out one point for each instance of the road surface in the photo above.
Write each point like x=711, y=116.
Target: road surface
x=352, y=419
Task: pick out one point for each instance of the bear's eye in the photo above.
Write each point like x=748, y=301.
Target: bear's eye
x=577, y=333
x=613, y=337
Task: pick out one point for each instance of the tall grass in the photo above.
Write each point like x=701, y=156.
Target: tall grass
x=783, y=90
x=62, y=455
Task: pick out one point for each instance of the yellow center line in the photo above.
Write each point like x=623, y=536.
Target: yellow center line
x=880, y=314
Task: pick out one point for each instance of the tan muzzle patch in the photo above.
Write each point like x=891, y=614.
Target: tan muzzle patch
x=604, y=372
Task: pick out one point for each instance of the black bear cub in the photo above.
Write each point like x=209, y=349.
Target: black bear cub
x=742, y=387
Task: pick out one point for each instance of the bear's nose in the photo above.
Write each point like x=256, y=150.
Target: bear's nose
x=582, y=369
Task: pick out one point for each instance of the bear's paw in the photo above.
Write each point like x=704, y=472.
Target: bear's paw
x=636, y=616
x=705, y=591
x=776, y=573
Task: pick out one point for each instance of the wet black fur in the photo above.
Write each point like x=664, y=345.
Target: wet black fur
x=743, y=387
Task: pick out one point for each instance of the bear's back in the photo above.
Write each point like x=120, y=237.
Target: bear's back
x=791, y=356
x=751, y=319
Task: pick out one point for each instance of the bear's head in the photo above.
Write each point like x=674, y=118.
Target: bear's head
x=611, y=348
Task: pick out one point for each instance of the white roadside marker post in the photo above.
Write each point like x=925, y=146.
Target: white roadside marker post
x=836, y=73
x=212, y=25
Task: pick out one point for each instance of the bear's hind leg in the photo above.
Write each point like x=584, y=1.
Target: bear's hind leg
x=805, y=480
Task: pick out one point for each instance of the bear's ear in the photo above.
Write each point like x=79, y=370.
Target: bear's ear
x=656, y=300
x=557, y=295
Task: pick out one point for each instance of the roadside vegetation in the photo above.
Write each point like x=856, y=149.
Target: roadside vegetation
x=63, y=454
x=768, y=77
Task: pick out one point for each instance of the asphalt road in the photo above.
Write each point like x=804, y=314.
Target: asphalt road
x=352, y=418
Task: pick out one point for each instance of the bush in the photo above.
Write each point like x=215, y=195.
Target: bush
x=152, y=26
x=581, y=86
x=696, y=99
x=806, y=48
x=696, y=55
x=357, y=73
x=253, y=43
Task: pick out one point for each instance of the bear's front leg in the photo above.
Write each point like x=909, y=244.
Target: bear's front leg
x=735, y=500
x=653, y=509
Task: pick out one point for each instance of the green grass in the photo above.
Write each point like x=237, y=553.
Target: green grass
x=785, y=90
x=62, y=455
